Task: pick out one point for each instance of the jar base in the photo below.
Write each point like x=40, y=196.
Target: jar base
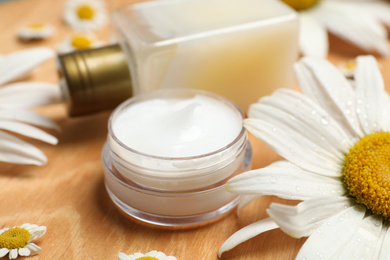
x=171, y=209
x=172, y=222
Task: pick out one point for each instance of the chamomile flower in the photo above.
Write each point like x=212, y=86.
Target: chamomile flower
x=152, y=255
x=15, y=100
x=348, y=68
x=85, y=14
x=18, y=240
x=358, y=22
x=79, y=41
x=35, y=31
x=335, y=138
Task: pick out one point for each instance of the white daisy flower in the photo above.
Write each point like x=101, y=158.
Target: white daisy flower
x=152, y=255
x=35, y=31
x=18, y=240
x=15, y=98
x=359, y=22
x=348, y=68
x=79, y=41
x=85, y=14
x=335, y=138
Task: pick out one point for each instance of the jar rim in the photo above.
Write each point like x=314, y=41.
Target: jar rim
x=176, y=92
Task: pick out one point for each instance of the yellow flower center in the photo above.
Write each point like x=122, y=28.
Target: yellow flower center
x=300, y=5
x=146, y=258
x=350, y=65
x=367, y=172
x=81, y=42
x=36, y=26
x=13, y=238
x=85, y=12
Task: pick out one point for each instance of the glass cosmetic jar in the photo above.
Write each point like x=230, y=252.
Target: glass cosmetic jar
x=169, y=154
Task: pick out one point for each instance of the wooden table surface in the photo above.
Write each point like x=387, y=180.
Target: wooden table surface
x=68, y=196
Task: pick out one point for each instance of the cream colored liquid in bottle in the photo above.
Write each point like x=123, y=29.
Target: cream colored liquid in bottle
x=239, y=49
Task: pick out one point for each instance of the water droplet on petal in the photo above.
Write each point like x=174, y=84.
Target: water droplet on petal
x=377, y=222
x=324, y=121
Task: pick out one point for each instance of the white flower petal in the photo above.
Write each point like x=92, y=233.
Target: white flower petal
x=28, y=226
x=379, y=243
x=292, y=110
x=332, y=235
x=17, y=64
x=273, y=113
x=245, y=200
x=14, y=150
x=29, y=94
x=137, y=255
x=362, y=244
x=326, y=85
x=246, y=233
x=369, y=89
x=285, y=182
x=13, y=254
x=316, y=117
x=293, y=147
x=152, y=253
x=385, y=122
x=355, y=25
x=301, y=220
x=123, y=256
x=313, y=37
x=34, y=249
x=3, y=251
x=380, y=9
x=28, y=130
x=37, y=232
x=28, y=117
x=384, y=247
x=24, y=251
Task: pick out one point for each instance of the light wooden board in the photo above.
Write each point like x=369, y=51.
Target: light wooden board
x=68, y=196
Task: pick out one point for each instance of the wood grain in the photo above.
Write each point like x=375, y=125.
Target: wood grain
x=68, y=196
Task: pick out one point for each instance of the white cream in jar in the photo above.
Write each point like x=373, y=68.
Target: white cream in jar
x=169, y=154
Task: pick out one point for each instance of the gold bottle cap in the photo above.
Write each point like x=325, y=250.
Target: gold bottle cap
x=95, y=79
